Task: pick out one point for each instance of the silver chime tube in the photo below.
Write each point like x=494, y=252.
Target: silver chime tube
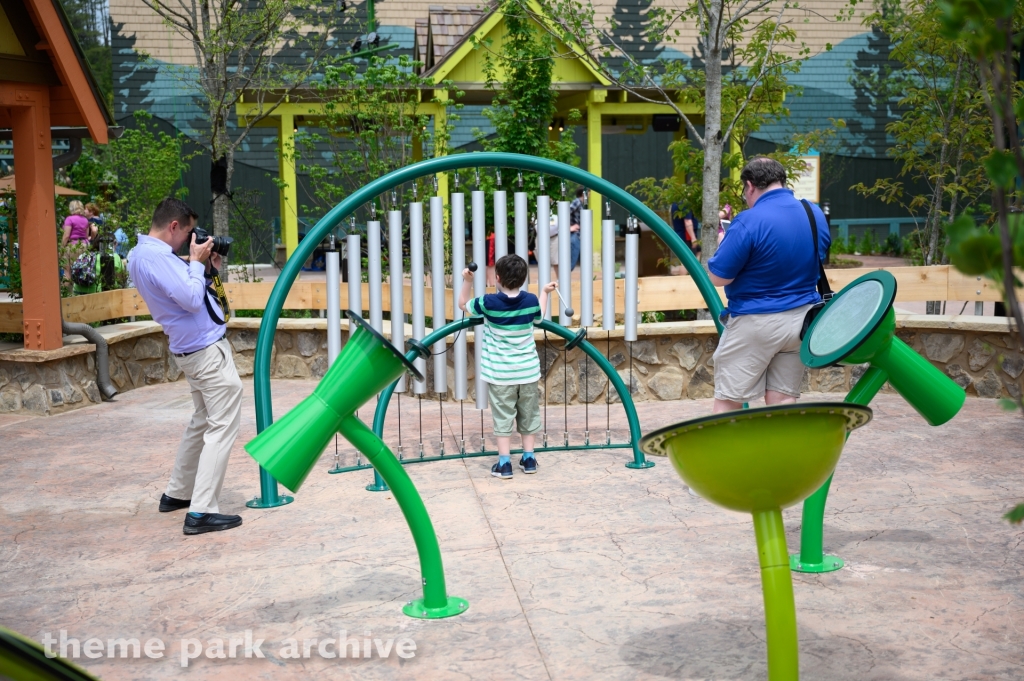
x=418, y=309
x=396, y=280
x=522, y=239
x=564, y=262
x=437, y=291
x=355, y=274
x=333, y=264
x=632, y=266
x=544, y=248
x=459, y=264
x=373, y=274
x=586, y=267
x=500, y=225
x=479, y=288
x=608, y=274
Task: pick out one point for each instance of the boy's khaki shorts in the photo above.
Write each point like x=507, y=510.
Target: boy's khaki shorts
x=515, y=402
x=759, y=352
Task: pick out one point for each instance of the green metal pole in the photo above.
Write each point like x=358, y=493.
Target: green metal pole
x=812, y=557
x=337, y=215
x=435, y=602
x=777, y=588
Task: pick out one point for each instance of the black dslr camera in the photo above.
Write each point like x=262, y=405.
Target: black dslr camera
x=221, y=244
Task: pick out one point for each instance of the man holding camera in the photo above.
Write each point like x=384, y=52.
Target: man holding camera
x=177, y=294
x=769, y=263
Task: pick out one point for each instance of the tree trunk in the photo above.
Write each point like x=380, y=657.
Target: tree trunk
x=713, y=141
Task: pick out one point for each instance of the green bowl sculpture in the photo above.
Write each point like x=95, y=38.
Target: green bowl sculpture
x=760, y=461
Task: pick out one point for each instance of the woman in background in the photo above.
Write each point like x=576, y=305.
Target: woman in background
x=77, y=229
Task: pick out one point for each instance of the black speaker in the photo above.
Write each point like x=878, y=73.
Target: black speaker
x=665, y=123
x=219, y=176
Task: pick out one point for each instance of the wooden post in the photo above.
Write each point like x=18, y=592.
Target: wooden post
x=290, y=190
x=594, y=160
x=37, y=228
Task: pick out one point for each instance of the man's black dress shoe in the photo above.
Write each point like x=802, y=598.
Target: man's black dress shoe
x=168, y=504
x=210, y=522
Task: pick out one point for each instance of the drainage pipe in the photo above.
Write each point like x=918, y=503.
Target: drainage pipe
x=107, y=390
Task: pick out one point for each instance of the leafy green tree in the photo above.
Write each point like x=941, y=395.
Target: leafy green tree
x=524, y=103
x=991, y=32
x=745, y=50
x=90, y=20
x=942, y=132
x=369, y=127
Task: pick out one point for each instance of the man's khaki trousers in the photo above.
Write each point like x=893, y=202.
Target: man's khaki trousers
x=205, y=447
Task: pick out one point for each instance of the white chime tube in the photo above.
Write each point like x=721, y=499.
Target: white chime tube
x=632, y=267
x=586, y=268
x=479, y=288
x=333, y=263
x=396, y=280
x=437, y=291
x=544, y=248
x=608, y=274
x=522, y=237
x=355, y=274
x=500, y=225
x=418, y=309
x=564, y=262
x=459, y=264
x=373, y=274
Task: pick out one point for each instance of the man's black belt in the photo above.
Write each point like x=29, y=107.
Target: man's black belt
x=186, y=354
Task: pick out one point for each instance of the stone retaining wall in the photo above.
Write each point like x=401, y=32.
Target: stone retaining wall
x=670, y=361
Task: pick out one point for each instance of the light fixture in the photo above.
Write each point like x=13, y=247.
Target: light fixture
x=341, y=5
x=357, y=44
x=373, y=39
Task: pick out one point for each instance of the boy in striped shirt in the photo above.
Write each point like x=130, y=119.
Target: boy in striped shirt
x=510, y=364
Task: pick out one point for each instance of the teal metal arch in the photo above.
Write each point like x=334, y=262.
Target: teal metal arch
x=639, y=460
x=269, y=495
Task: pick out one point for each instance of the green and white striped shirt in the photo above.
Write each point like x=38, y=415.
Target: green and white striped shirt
x=510, y=353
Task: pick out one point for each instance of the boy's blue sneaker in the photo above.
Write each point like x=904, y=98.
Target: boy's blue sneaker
x=528, y=464
x=503, y=471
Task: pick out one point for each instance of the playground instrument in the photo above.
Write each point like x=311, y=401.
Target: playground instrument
x=858, y=326
x=760, y=461
x=290, y=447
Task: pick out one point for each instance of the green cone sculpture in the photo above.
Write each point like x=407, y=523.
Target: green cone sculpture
x=288, y=449
x=760, y=461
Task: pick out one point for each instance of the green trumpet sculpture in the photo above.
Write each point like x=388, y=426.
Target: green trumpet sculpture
x=858, y=326
x=290, y=447
x=760, y=461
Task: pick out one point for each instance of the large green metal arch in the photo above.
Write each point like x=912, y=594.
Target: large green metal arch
x=337, y=215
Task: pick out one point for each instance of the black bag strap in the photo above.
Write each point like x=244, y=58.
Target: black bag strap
x=823, y=288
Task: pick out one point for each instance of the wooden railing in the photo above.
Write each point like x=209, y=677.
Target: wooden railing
x=940, y=282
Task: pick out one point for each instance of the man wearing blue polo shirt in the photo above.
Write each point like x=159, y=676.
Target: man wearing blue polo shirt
x=766, y=261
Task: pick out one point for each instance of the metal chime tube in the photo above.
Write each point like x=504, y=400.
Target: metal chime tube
x=479, y=288
x=564, y=262
x=632, y=267
x=418, y=309
x=459, y=264
x=437, y=290
x=355, y=274
x=586, y=267
x=522, y=218
x=608, y=274
x=373, y=274
x=397, y=281
x=500, y=225
x=543, y=248
x=333, y=264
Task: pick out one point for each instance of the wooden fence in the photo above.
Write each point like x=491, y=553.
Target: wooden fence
x=940, y=282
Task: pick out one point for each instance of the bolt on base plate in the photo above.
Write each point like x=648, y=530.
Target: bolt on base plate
x=455, y=606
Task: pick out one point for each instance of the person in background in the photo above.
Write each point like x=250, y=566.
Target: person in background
x=685, y=225
x=766, y=262
x=77, y=229
x=724, y=220
x=575, y=210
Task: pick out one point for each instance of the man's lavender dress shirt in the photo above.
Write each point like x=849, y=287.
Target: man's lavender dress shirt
x=174, y=291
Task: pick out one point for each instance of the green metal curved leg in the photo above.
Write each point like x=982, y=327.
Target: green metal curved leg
x=777, y=587
x=812, y=557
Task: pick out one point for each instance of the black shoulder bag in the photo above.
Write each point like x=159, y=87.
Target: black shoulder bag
x=823, y=288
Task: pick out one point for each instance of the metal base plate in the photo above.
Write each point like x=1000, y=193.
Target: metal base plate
x=282, y=500
x=374, y=487
x=456, y=606
x=828, y=564
x=645, y=464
